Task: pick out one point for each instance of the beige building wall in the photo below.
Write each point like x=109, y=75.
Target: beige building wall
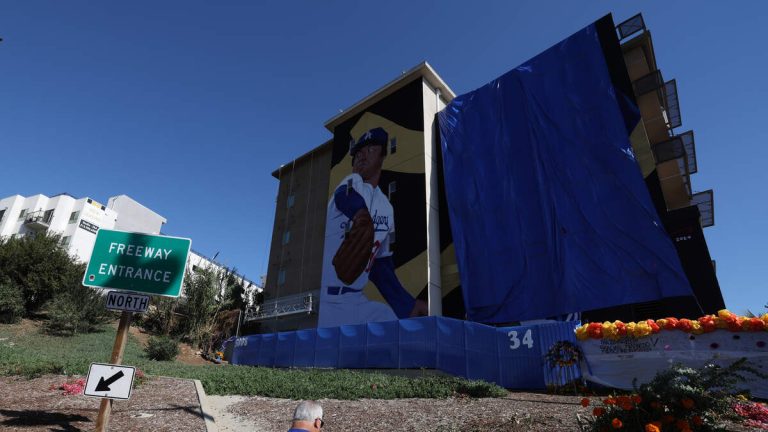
x=296, y=253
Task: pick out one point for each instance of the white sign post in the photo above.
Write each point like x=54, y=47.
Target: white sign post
x=109, y=381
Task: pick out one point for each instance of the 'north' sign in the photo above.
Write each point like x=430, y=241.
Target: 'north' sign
x=124, y=301
x=152, y=264
x=109, y=381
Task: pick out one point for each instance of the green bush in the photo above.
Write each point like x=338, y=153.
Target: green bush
x=162, y=348
x=77, y=308
x=37, y=266
x=11, y=302
x=679, y=397
x=159, y=316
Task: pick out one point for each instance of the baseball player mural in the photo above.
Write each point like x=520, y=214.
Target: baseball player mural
x=359, y=238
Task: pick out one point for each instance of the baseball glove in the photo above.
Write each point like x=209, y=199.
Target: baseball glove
x=355, y=251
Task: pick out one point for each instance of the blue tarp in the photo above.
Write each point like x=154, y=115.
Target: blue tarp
x=512, y=357
x=548, y=208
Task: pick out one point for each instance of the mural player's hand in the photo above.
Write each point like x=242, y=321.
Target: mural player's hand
x=420, y=308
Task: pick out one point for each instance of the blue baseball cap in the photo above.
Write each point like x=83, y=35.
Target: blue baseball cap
x=376, y=136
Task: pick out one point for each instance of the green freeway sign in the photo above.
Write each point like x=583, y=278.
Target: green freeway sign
x=143, y=263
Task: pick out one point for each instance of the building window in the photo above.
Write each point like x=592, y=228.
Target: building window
x=281, y=277
x=73, y=216
x=286, y=237
x=22, y=214
x=291, y=200
x=48, y=216
x=393, y=146
x=65, y=241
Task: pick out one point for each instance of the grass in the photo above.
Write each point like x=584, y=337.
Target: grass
x=34, y=354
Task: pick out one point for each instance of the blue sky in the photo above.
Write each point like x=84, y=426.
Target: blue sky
x=188, y=106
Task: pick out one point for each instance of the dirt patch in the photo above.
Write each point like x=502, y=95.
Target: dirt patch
x=161, y=404
x=187, y=354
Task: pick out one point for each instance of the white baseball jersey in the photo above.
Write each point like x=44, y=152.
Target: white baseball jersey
x=336, y=225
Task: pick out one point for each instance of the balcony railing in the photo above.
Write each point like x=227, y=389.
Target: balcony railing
x=631, y=26
x=304, y=303
x=672, y=104
x=706, y=203
x=39, y=220
x=690, y=151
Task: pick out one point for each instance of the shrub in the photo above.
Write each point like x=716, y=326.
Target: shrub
x=678, y=398
x=76, y=308
x=11, y=302
x=162, y=348
x=37, y=266
x=159, y=316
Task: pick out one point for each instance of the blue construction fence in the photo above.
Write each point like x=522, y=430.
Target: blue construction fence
x=513, y=357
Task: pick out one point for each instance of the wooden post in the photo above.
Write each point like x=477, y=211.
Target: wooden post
x=117, y=358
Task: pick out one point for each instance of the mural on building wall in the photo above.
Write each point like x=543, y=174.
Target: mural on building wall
x=374, y=258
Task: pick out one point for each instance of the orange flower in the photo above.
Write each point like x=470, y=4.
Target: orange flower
x=616, y=423
x=682, y=424
x=637, y=399
x=652, y=428
x=697, y=421
x=585, y=402
x=687, y=403
x=610, y=401
x=597, y=412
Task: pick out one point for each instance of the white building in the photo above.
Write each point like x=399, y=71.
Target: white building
x=78, y=219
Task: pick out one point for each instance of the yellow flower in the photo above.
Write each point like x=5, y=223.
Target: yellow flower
x=581, y=332
x=610, y=331
x=642, y=329
x=724, y=313
x=696, y=328
x=631, y=329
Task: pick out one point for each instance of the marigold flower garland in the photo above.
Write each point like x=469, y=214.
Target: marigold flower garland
x=706, y=324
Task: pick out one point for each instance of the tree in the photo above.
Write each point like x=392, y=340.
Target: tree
x=37, y=266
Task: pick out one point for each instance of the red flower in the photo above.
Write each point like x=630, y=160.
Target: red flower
x=621, y=328
x=685, y=325
x=756, y=324
x=616, y=423
x=598, y=411
x=668, y=418
x=655, y=405
x=610, y=401
x=682, y=424
x=595, y=330
x=671, y=323
x=585, y=402
x=637, y=399
x=654, y=327
x=687, y=403
x=697, y=421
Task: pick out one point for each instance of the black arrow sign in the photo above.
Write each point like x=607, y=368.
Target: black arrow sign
x=103, y=384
